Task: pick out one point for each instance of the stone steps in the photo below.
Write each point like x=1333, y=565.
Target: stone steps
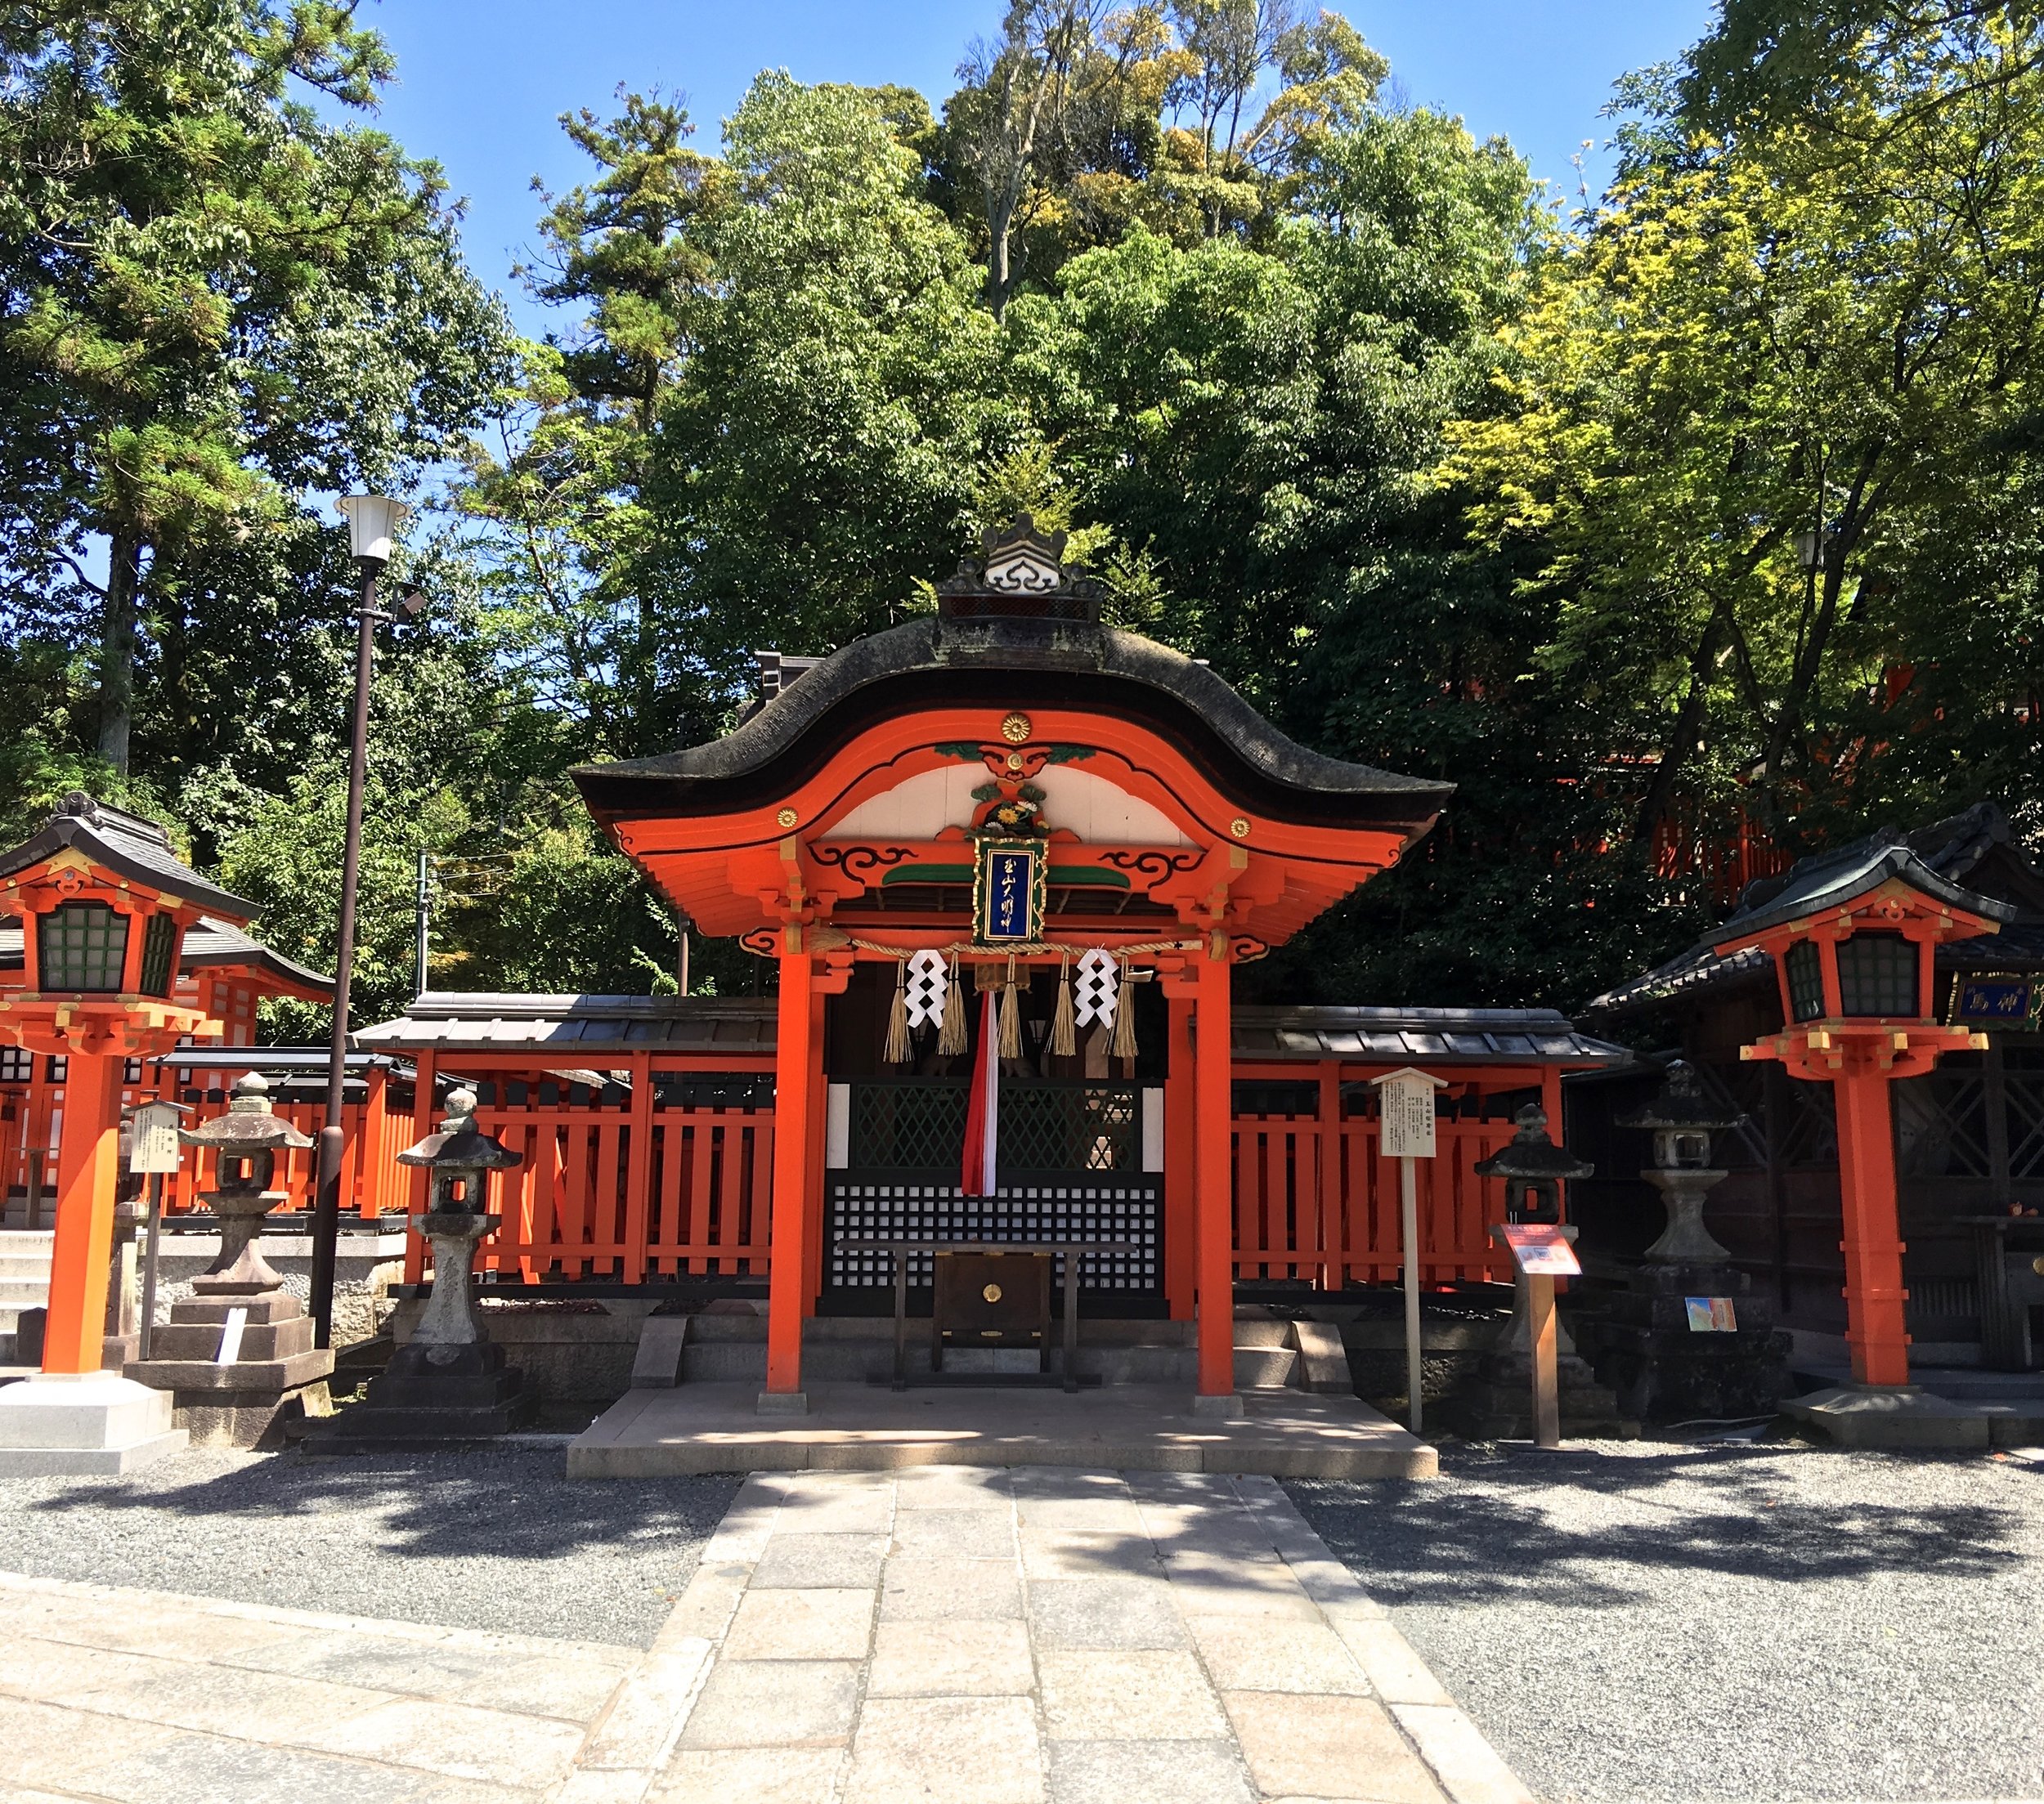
x=730, y=1347
x=24, y=1278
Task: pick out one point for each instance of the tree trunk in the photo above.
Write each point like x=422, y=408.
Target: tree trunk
x=117, y=649
x=1660, y=791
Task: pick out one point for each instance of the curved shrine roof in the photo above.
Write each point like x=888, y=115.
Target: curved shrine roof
x=1002, y=662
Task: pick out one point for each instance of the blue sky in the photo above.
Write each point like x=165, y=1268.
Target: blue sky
x=481, y=82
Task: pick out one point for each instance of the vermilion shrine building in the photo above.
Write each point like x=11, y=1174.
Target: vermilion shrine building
x=1035, y=802
x=1017, y=796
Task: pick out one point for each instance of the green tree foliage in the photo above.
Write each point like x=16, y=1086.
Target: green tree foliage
x=1328, y=393
x=1767, y=440
x=818, y=456
x=208, y=298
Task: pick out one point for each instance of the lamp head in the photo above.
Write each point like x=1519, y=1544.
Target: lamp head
x=372, y=520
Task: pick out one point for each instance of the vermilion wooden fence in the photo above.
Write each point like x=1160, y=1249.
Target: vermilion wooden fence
x=647, y=1185
x=32, y=1119
x=1314, y=1202
x=604, y=1193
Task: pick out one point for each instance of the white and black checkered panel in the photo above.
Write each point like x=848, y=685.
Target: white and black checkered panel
x=1127, y=1209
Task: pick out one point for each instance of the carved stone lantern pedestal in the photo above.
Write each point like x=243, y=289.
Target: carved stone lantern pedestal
x=1688, y=1340
x=447, y=1382
x=238, y=1356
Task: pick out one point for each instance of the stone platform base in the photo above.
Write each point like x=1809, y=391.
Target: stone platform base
x=430, y=1394
x=1499, y=1405
x=1900, y=1417
x=261, y=1420
x=715, y=1428
x=98, y=1425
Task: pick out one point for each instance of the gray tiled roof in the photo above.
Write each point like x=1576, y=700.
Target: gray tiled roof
x=125, y=844
x=1933, y=858
x=580, y=1026
x=935, y=656
x=1419, y=1035
x=586, y=1026
x=1835, y=878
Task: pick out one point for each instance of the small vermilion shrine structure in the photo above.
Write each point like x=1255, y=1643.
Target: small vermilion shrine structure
x=1008, y=796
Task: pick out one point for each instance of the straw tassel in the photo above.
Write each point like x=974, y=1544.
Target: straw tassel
x=1010, y=1018
x=1123, y=1046
x=1065, y=1023
x=898, y=1051
x=950, y=1032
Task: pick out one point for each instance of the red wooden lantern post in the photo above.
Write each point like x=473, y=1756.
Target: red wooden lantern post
x=104, y=906
x=1853, y=947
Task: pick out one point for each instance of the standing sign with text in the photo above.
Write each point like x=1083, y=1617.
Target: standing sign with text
x=1406, y=1101
x=152, y=1145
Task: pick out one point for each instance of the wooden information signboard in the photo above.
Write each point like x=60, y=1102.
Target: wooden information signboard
x=1542, y=1253
x=1405, y=1131
x=152, y=1149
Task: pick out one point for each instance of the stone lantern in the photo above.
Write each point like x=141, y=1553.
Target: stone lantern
x=244, y=1143
x=447, y=1382
x=1687, y=1340
x=1853, y=939
x=104, y=905
x=1681, y=1120
x=237, y=1359
x=1534, y=1170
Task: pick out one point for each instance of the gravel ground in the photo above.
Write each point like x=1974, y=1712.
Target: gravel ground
x=1636, y=1621
x=495, y=1539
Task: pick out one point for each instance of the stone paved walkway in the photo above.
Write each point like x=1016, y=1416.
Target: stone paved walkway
x=958, y=1636
x=943, y=1636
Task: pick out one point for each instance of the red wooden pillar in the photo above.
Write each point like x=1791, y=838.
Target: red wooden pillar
x=1181, y=1228
x=639, y=1169
x=1327, y=1203
x=1214, y=1123
x=1875, y=1328
x=375, y=1131
x=74, y=1334
x=819, y=1105
x=793, y=1058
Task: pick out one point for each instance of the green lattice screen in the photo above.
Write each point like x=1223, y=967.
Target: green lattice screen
x=918, y=1124
x=1050, y=1127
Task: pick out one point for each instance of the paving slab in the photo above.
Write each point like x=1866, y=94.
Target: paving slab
x=699, y=1428
x=997, y=1637
x=239, y=1703
x=1068, y=1638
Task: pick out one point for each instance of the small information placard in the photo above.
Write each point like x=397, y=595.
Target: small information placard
x=1405, y=1103
x=1711, y=1315
x=153, y=1138
x=1540, y=1248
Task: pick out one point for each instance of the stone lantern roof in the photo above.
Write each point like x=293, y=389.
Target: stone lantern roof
x=1530, y=1154
x=1681, y=1104
x=249, y=1124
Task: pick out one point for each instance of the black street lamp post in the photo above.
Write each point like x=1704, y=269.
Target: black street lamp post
x=372, y=520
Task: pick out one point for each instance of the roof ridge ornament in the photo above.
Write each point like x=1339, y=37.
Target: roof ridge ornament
x=1022, y=561
x=1024, y=576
